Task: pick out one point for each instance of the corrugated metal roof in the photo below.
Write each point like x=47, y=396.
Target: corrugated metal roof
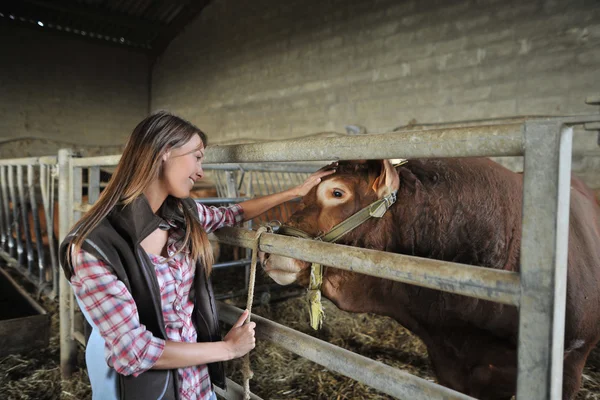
x=147, y=25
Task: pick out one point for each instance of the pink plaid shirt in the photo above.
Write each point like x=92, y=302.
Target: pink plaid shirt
x=129, y=347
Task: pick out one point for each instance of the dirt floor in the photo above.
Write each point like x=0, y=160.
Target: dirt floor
x=279, y=374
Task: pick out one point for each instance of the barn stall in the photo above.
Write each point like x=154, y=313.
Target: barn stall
x=305, y=71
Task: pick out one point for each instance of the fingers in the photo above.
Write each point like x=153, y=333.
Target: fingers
x=327, y=170
x=241, y=320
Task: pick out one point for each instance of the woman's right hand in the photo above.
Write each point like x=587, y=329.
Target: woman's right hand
x=240, y=339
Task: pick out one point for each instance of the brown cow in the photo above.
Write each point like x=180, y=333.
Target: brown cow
x=459, y=210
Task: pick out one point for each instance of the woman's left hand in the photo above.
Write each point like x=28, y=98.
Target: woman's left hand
x=315, y=178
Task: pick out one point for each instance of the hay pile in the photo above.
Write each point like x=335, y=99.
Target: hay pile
x=279, y=374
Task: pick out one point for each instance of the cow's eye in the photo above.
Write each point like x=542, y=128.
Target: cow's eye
x=337, y=193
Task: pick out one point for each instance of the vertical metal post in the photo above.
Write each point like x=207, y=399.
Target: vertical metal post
x=25, y=220
x=75, y=194
x=93, y=184
x=15, y=212
x=37, y=230
x=4, y=242
x=68, y=348
x=47, y=189
x=544, y=260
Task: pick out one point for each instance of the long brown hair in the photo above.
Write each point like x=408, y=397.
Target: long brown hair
x=139, y=165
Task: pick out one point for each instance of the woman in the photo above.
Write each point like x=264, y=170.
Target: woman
x=139, y=263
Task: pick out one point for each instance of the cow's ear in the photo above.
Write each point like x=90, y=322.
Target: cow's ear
x=388, y=181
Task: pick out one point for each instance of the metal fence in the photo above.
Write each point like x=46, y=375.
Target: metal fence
x=538, y=290
x=27, y=220
x=545, y=143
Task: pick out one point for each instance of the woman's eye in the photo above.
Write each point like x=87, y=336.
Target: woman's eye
x=337, y=193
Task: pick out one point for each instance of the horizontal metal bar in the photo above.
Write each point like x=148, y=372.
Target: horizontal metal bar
x=490, y=121
x=494, y=140
x=234, y=391
x=238, y=263
x=305, y=168
x=95, y=161
x=484, y=141
x=20, y=161
x=219, y=200
x=593, y=100
x=592, y=126
x=375, y=374
x=48, y=160
x=483, y=283
x=79, y=337
x=570, y=120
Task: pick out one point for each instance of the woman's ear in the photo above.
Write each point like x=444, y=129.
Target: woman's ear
x=166, y=154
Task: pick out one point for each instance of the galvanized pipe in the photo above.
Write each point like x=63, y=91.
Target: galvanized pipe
x=483, y=283
x=6, y=205
x=47, y=189
x=68, y=348
x=238, y=263
x=23, y=201
x=373, y=373
x=4, y=217
x=483, y=141
x=93, y=184
x=307, y=167
x=219, y=200
x=15, y=222
x=544, y=249
x=96, y=161
x=48, y=160
x=75, y=195
x=36, y=224
x=19, y=161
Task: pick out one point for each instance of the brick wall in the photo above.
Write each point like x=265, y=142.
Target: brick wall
x=58, y=91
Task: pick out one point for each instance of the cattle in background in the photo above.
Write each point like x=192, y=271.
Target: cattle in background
x=458, y=210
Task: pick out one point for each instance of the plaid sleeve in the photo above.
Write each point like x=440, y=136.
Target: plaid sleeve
x=213, y=218
x=130, y=348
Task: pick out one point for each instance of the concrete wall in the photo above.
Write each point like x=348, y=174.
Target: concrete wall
x=58, y=91
x=277, y=69
x=274, y=69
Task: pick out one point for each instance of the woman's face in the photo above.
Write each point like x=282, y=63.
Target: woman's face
x=182, y=167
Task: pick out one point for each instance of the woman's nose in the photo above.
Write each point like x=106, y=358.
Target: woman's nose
x=200, y=173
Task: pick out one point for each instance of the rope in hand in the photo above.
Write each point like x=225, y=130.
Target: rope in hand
x=246, y=371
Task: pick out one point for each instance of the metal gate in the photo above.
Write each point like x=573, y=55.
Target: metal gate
x=538, y=290
x=27, y=220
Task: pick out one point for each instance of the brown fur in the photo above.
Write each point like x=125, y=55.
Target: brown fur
x=466, y=211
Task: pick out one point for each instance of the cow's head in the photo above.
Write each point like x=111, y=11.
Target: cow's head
x=355, y=185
